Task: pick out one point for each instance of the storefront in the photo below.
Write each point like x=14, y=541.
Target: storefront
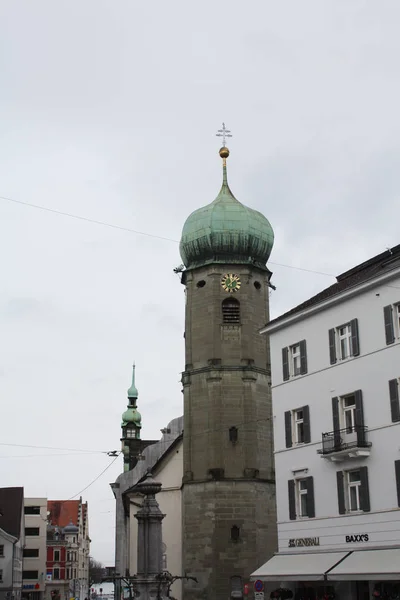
x=353, y=575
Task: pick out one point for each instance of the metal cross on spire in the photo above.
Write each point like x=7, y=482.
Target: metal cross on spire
x=224, y=133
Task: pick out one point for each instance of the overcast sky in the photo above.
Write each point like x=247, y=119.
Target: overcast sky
x=108, y=110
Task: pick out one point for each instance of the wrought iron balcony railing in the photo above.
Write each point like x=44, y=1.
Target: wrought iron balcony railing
x=349, y=438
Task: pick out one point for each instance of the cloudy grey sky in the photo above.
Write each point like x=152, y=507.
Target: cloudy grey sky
x=108, y=110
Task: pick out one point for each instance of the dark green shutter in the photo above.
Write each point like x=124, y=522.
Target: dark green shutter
x=355, y=340
x=394, y=400
x=397, y=471
x=292, y=500
x=306, y=424
x=340, y=492
x=389, y=329
x=359, y=418
x=285, y=363
x=332, y=346
x=288, y=429
x=364, y=490
x=303, y=357
x=336, y=422
x=310, y=497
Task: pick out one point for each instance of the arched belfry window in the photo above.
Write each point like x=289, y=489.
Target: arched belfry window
x=231, y=311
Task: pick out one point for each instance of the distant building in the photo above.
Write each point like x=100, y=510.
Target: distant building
x=68, y=547
x=11, y=542
x=335, y=389
x=34, y=580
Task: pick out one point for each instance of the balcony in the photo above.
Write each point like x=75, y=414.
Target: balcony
x=351, y=442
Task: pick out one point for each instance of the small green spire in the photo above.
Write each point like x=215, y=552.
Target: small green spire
x=132, y=392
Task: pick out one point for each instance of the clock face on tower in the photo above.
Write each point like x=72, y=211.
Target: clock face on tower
x=231, y=283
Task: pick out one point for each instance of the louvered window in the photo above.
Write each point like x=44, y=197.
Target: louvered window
x=231, y=311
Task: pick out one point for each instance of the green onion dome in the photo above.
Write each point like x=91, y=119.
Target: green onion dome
x=226, y=231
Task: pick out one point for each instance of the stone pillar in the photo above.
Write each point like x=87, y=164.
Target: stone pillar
x=147, y=583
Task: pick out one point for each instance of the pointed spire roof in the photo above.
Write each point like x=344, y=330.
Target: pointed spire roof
x=132, y=392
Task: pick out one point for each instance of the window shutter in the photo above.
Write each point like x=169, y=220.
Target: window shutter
x=303, y=357
x=310, y=498
x=389, y=329
x=332, y=346
x=336, y=422
x=288, y=429
x=306, y=424
x=355, y=340
x=285, y=363
x=340, y=492
x=292, y=500
x=359, y=418
x=394, y=400
x=364, y=490
x=397, y=471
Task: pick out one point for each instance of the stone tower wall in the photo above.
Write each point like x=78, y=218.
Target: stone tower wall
x=226, y=384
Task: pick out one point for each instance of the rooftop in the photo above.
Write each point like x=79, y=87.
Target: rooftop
x=11, y=507
x=368, y=270
x=62, y=512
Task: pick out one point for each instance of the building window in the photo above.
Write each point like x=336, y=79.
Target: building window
x=68, y=573
x=301, y=490
x=31, y=553
x=30, y=574
x=294, y=360
x=349, y=413
x=233, y=434
x=132, y=433
x=297, y=426
x=235, y=533
x=391, y=314
x=56, y=573
x=1, y=549
x=1, y=575
x=353, y=491
x=56, y=556
x=32, y=510
x=231, y=311
x=301, y=498
x=31, y=531
x=344, y=341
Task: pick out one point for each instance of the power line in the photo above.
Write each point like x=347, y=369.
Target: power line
x=46, y=455
x=55, y=448
x=87, y=219
x=137, y=232
x=95, y=479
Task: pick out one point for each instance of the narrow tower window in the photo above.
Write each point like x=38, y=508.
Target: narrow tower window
x=233, y=435
x=235, y=533
x=231, y=311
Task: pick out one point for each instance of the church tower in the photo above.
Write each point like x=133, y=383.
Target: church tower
x=131, y=425
x=229, y=516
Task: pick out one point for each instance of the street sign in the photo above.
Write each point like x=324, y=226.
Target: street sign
x=259, y=595
x=258, y=585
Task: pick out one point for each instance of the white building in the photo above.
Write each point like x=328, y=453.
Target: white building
x=165, y=460
x=335, y=377
x=34, y=573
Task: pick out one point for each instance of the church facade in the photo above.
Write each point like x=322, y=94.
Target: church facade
x=227, y=488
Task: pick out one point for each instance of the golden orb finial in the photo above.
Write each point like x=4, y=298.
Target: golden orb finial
x=224, y=152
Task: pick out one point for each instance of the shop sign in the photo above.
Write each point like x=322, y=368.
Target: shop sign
x=297, y=542
x=358, y=537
